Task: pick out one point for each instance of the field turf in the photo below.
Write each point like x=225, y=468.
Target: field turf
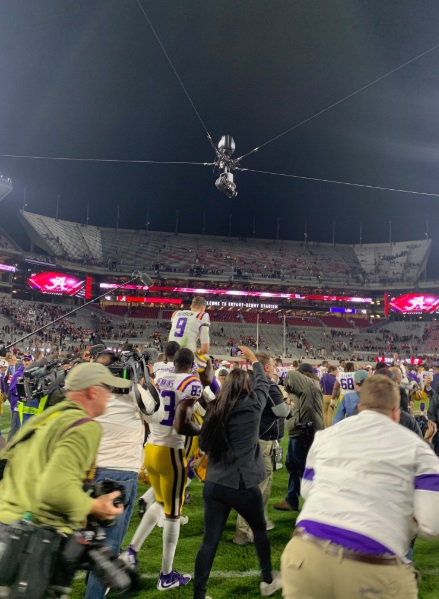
x=235, y=569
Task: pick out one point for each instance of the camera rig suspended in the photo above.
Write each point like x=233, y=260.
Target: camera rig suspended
x=225, y=163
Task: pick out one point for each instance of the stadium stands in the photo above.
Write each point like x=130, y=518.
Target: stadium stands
x=257, y=259
x=306, y=338
x=400, y=262
x=335, y=322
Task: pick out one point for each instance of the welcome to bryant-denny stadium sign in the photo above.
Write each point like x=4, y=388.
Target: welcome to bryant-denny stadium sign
x=241, y=305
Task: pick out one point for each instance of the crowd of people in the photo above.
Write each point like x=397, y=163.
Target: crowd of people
x=340, y=419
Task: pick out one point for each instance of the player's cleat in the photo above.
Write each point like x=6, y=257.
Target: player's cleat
x=269, y=588
x=201, y=361
x=187, y=498
x=183, y=520
x=129, y=557
x=172, y=580
x=142, y=507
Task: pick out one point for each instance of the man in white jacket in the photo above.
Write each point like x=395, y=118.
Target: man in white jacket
x=369, y=486
x=120, y=457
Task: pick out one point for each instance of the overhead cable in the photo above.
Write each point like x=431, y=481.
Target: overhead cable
x=351, y=95
x=176, y=73
x=349, y=183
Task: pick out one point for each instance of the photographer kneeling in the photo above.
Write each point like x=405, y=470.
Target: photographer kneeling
x=45, y=467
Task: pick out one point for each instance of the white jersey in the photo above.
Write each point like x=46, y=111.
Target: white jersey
x=162, y=368
x=173, y=388
x=190, y=327
x=422, y=376
x=347, y=382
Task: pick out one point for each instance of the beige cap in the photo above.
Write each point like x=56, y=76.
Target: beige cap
x=84, y=376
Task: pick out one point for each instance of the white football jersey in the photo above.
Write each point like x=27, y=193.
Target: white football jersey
x=161, y=368
x=173, y=388
x=422, y=376
x=190, y=327
x=347, y=382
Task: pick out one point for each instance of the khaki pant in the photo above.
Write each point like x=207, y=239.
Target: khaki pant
x=267, y=449
x=328, y=412
x=310, y=573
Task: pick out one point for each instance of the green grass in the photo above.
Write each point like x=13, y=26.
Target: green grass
x=233, y=558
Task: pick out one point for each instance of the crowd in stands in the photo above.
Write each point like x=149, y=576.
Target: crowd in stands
x=241, y=258
x=305, y=337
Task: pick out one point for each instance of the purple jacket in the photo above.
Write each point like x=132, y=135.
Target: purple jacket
x=327, y=383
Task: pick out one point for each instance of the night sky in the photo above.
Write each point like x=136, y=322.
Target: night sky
x=88, y=79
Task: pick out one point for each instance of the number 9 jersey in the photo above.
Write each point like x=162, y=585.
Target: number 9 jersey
x=190, y=327
x=173, y=388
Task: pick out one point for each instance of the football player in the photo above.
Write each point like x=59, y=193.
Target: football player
x=165, y=460
x=190, y=328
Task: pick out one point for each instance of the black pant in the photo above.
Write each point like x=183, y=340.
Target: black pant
x=218, y=501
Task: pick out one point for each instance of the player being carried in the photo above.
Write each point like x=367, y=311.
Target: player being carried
x=190, y=328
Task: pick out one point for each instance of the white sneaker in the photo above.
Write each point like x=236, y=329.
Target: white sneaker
x=270, y=525
x=183, y=520
x=268, y=589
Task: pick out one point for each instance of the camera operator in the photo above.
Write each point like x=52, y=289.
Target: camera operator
x=44, y=469
x=42, y=495
x=120, y=454
x=306, y=419
x=49, y=458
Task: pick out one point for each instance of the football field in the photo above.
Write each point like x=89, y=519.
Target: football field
x=235, y=569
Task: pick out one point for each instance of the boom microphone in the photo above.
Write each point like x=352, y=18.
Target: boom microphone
x=142, y=276
x=97, y=349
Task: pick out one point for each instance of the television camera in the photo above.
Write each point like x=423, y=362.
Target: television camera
x=225, y=162
x=133, y=365
x=39, y=562
x=37, y=380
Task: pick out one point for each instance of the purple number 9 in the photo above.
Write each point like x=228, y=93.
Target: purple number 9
x=180, y=327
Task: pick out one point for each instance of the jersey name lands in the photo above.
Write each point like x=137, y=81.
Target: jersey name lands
x=188, y=327
x=173, y=388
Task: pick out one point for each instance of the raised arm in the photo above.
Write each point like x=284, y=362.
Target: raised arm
x=261, y=382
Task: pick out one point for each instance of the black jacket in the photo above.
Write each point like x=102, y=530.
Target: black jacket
x=242, y=464
x=272, y=426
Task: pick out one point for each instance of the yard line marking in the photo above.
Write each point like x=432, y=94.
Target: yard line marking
x=213, y=574
x=218, y=574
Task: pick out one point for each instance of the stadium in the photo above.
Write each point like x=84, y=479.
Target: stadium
x=219, y=299
x=300, y=301
x=297, y=301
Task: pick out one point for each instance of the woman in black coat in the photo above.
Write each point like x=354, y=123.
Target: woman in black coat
x=230, y=437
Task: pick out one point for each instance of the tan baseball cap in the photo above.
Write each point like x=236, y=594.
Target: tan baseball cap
x=84, y=376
